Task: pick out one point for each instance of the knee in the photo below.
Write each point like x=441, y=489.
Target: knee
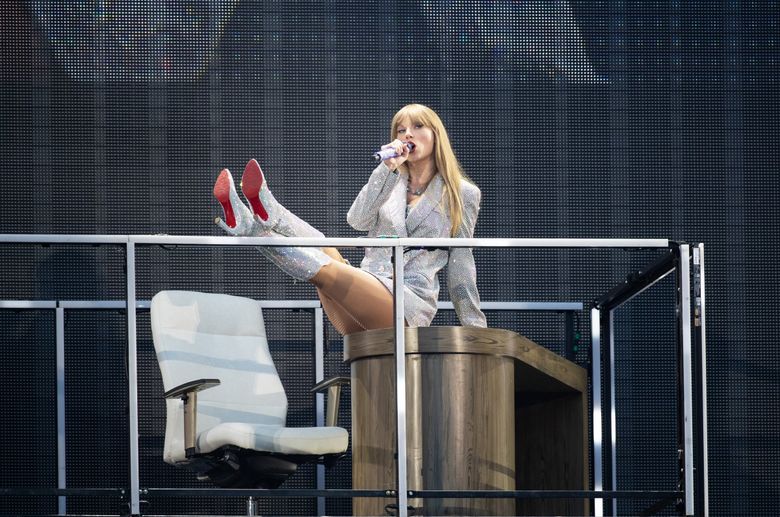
x=325, y=276
x=334, y=254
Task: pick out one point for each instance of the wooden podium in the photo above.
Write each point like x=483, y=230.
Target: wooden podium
x=487, y=409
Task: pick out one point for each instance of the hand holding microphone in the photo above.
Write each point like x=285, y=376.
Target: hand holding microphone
x=394, y=153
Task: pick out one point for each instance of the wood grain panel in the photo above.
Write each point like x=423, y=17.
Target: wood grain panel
x=471, y=340
x=460, y=430
x=467, y=391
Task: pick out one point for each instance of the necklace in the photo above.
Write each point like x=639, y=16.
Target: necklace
x=416, y=192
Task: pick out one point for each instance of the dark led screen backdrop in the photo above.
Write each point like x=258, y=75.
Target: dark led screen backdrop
x=654, y=119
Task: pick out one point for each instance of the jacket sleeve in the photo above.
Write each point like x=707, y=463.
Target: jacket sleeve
x=461, y=270
x=365, y=209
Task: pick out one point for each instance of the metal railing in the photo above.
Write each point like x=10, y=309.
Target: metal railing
x=399, y=245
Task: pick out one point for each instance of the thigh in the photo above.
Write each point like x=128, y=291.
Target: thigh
x=341, y=319
x=363, y=298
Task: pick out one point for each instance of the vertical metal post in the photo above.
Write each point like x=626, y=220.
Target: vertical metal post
x=132, y=379
x=568, y=347
x=319, y=398
x=595, y=361
x=700, y=321
x=612, y=410
x=400, y=376
x=61, y=469
x=684, y=316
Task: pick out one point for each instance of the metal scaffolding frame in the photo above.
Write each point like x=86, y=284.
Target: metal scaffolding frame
x=692, y=491
x=691, y=352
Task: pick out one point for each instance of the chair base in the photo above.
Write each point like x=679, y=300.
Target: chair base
x=234, y=467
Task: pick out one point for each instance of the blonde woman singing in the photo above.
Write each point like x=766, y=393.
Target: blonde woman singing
x=420, y=192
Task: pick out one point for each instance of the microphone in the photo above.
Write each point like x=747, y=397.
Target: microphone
x=386, y=154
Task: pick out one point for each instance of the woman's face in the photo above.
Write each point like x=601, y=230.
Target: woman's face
x=422, y=137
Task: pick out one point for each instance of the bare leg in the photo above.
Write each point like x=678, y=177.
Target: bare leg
x=338, y=316
x=341, y=319
x=353, y=299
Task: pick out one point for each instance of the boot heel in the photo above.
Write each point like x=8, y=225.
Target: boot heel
x=222, y=193
x=251, y=184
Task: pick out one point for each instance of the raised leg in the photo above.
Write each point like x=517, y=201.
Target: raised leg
x=341, y=319
x=353, y=299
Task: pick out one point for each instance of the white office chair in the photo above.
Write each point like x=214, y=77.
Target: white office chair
x=233, y=434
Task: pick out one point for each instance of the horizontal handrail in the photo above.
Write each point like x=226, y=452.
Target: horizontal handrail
x=276, y=304
x=356, y=242
x=53, y=238
x=28, y=304
x=422, y=494
x=37, y=492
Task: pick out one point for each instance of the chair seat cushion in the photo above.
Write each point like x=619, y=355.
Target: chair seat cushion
x=282, y=440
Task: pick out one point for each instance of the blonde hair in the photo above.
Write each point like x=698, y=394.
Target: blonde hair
x=444, y=157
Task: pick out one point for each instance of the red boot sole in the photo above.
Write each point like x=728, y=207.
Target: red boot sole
x=222, y=193
x=251, y=183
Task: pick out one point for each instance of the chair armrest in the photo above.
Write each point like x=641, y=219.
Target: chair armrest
x=191, y=387
x=333, y=385
x=188, y=393
x=327, y=383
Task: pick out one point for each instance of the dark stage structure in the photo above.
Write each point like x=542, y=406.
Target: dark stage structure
x=655, y=122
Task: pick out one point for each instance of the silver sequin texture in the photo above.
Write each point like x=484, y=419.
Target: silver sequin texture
x=300, y=263
x=380, y=209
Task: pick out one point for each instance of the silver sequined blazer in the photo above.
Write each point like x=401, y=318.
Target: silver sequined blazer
x=381, y=209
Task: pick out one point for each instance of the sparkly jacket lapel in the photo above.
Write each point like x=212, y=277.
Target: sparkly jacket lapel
x=431, y=198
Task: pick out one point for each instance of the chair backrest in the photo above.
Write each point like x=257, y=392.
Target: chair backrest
x=201, y=335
